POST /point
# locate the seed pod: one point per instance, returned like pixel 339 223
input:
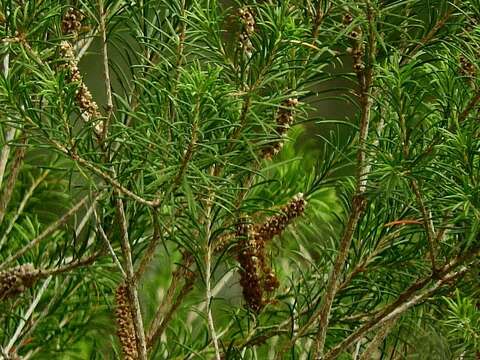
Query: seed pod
pixel 72 21
pixel 256 276
pixel 347 19
pixel 467 69
pixel 16 280
pixel 276 224
pixel 284 121
pixel 83 97
pixel 270 281
pixel 248 29
pixel 125 328
pixel 250 257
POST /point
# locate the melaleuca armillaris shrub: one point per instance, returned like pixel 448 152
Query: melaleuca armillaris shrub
pixel 239 179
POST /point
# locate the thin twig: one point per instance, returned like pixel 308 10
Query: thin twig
pixel 71 266
pixel 428 37
pixel 208 267
pixel 10 134
pixel 30 310
pixel 208 279
pixel 319 17
pixel 216 290
pixel 130 281
pixel 50 229
pixel 10 131
pixel 427 223
pixel 470 106
pixel 365 78
pixel 169 305
pixel 107 178
pixel 106 71
pixel 379 337
pixel 22 205
pixel 7 192
pixel 109 245
pixel 407 301
pixel 150 251
pixel 167 300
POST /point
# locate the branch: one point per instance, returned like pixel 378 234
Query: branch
pixel 365 77
pixel 107 178
pixel 470 106
pixel 106 71
pixel 428 37
pixel 130 281
pixel 379 337
pixel 150 251
pixel 24 319
pixel 71 266
pixel 427 223
pixel 10 131
pixel 22 205
pixel 404 302
pixel 319 17
pixel 12 178
pixel 168 306
pixel 208 276
pixel 109 245
pixel 45 233
pixel 5 152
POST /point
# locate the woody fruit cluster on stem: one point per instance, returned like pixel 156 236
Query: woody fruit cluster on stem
pixel 256 276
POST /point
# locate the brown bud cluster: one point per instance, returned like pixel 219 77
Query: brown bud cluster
pixel 71 65
pixel 251 254
pixel 72 21
pixel 467 69
pixel 256 276
pixel 125 328
pixel 83 97
pixel 276 224
pixel 347 19
pixel 357 50
pixel 248 24
pixel 16 280
pixel 284 120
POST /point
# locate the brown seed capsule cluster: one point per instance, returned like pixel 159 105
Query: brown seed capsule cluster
pixel 72 21
pixel 250 258
pixel 467 69
pixel 125 328
pixel 357 50
pixel 347 19
pixel 83 97
pixel 248 24
pixel 16 280
pixel 276 224
pixel 256 276
pixel 284 120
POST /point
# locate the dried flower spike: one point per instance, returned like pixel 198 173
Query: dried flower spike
pixel 357 50
pixel 248 24
pixel 83 96
pixel 125 328
pixel 250 258
pixel 255 276
pixel 16 280
pixel 467 69
pixel 276 224
pixel 284 121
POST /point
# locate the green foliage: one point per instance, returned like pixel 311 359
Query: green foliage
pixel 136 145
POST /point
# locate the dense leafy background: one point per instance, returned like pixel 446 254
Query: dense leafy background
pixel 191 115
